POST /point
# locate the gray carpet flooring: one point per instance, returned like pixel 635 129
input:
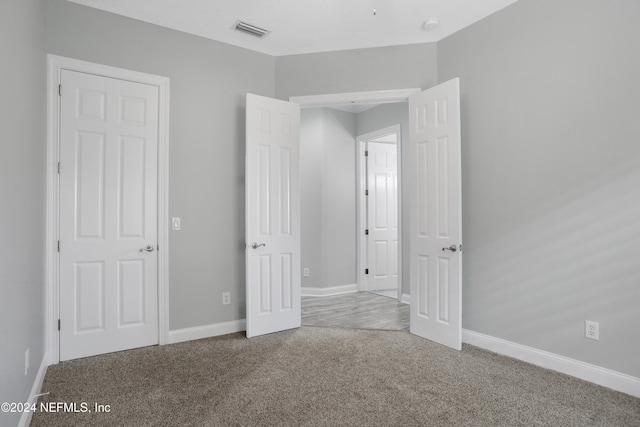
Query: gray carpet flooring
pixel 325 377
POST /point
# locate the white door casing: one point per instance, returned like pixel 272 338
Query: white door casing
pixel 435 217
pixel 108 288
pixel 382 215
pixel 272 180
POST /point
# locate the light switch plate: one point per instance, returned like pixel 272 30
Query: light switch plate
pixel 175 223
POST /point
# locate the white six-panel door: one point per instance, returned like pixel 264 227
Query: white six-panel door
pixel 436 226
pixel 382 216
pixel 272 215
pixel 108 215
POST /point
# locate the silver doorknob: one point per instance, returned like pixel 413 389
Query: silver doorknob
pixel 451 248
pixel 256 246
pixel 148 248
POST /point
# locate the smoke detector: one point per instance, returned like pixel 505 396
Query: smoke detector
pixel 430 24
pixel 250 29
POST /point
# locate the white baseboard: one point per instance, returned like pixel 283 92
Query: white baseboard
pixel 405 299
pixel 25 419
pixel 585 371
pixel 325 292
pixel 206 331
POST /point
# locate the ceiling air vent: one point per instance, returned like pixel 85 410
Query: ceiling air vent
pixel 251 29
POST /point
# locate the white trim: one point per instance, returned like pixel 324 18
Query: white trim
pixel 585 371
pixel 55 65
pixel 369 97
pixel 361 215
pixel 325 292
pixel 405 299
pixel 361 211
pixel 206 331
pixel 25 419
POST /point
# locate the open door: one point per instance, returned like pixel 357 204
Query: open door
pixel 272 215
pixel 436 219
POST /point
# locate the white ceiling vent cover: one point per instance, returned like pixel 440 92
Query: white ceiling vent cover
pixel 251 29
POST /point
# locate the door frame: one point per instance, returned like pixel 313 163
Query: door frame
pixel 55 65
pixel 361 211
pixel 365 97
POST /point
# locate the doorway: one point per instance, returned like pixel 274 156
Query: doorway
pixel 336 229
pixel 379 110
pixel 380 243
pixel 435 215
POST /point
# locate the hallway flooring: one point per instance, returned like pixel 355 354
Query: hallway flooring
pixel 358 310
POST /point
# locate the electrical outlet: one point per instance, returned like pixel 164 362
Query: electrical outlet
pixel 26 362
pixel 226 298
pixel 305 272
pixel 591 330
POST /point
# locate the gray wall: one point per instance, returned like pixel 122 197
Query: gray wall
pixel 378 118
pixel 209 81
pixel 312 155
pixel 397 67
pixel 328 200
pixel 551 176
pixel 22 195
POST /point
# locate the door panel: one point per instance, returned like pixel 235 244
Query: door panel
pixel 131 292
pixel 436 219
pixel 108 213
pixel 272 216
pixel 89 296
pixel 132 191
pixel 90 154
pixel 382 216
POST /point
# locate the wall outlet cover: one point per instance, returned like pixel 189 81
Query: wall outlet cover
pixel 226 298
pixel 591 330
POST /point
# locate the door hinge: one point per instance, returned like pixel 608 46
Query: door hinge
pixel 366 271
pixel 58 245
pixel 366 192
pixel 58 168
pixel 58 324
pixel 366 153
pixel 60 90
pixel 366 232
